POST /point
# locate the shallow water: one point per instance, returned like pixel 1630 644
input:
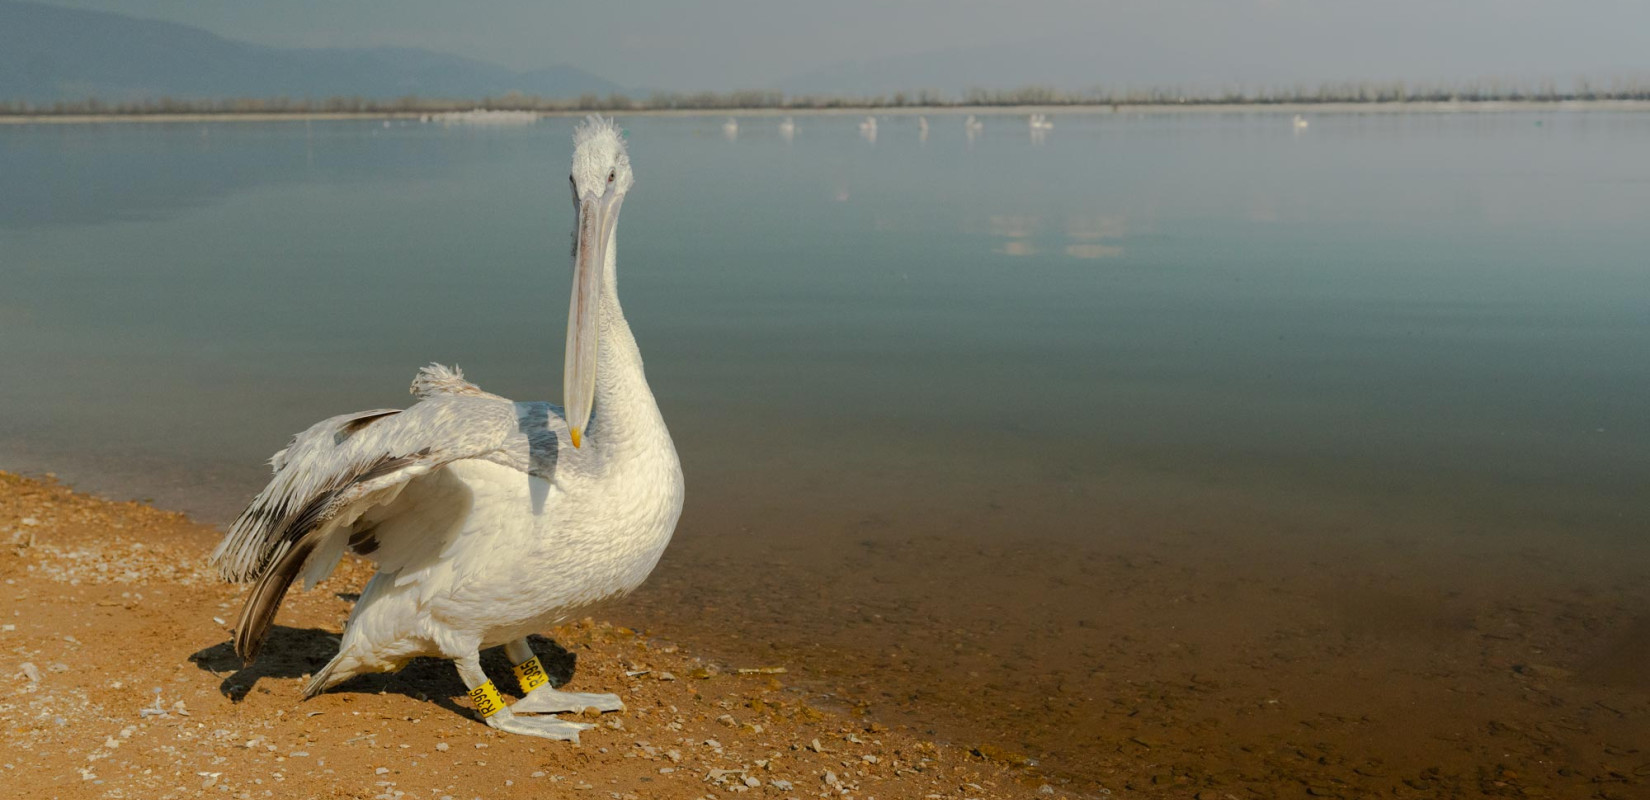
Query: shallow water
pixel 1408 350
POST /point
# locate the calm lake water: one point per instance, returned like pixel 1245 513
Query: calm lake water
pixel 1452 304
pixel 1131 324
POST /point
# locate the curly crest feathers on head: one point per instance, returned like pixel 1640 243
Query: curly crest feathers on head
pixel 600 163
pixel 593 126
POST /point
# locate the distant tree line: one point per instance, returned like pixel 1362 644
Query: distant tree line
pixel 1479 91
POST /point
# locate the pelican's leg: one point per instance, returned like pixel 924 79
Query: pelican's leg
pixel 543 699
pixel 469 668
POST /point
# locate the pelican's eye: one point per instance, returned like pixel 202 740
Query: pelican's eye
pixel 612 174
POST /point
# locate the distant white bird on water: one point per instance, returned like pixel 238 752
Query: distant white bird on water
pixel 1040 122
pixel 868 129
pixel 1300 122
pixel 787 129
pixel 730 129
pixel 973 124
pixel 488 519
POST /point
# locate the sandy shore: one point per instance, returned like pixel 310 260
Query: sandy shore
pixel 117 680
pixel 1486 107
pixel 1230 656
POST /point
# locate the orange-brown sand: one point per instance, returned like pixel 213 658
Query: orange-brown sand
pixel 117 681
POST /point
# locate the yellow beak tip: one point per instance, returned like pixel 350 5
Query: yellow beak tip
pixel 577 436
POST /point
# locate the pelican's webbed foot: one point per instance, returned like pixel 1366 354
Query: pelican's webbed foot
pixel 545 700
pixel 490 705
pixel 542 727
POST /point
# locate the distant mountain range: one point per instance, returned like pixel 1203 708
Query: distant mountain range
pixel 50 54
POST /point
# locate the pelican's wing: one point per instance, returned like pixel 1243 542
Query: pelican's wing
pixel 343 475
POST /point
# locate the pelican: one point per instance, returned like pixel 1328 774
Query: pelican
pixel 1300 122
pixel 787 129
pixel 730 129
pixel 868 129
pixel 487 519
pixel 922 129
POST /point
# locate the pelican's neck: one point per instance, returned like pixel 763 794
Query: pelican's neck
pixel 624 415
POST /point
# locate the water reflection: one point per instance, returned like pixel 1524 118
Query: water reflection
pixel 1039 125
pixel 1090 236
pixel 1093 250
pixel 1018 230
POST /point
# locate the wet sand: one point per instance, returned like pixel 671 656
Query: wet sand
pixel 117 680
pixel 1372 648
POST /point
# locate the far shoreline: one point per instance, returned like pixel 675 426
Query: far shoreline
pixel 1338 108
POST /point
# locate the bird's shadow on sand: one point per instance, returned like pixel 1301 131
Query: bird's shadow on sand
pixel 298 652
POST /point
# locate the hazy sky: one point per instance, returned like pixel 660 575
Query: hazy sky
pixel 722 44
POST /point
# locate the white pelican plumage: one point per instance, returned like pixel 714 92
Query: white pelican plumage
pixel 730 129
pixel 868 129
pixel 488 519
pixel 787 129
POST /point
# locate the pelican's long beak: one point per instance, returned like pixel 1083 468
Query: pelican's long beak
pixel 597 216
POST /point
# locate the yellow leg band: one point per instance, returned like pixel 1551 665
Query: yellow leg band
pixel 487 699
pixel 530 674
